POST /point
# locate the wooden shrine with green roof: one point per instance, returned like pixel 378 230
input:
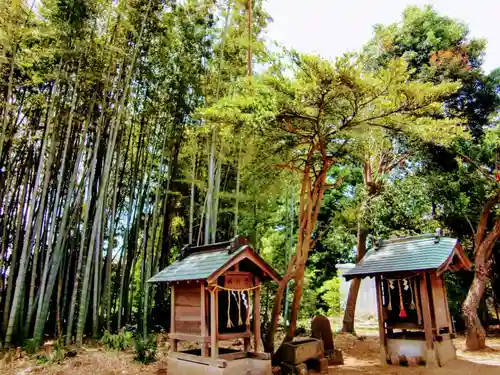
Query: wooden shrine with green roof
pixel 415 325
pixel 215 296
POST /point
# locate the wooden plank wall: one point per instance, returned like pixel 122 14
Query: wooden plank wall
pixel 188 308
pixel 441 311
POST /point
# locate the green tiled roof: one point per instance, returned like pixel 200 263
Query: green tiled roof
pixel 196 266
pixel 415 253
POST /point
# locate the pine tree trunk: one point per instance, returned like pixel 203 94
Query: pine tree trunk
pixel 311 197
pixel 278 300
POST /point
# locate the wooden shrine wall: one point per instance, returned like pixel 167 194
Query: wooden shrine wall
pixel 441 311
pixel 188 308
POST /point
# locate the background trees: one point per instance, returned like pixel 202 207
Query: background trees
pixel 131 128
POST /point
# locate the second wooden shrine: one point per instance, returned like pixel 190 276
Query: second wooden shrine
pixel 215 296
pixel 415 325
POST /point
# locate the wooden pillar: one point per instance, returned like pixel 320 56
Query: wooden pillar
pixel 381 322
pixel 247 340
pixel 214 348
pixel 256 316
pixel 451 327
pixel 173 342
pixel 430 358
pixel 203 318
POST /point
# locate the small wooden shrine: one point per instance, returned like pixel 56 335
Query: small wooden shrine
pixel 415 325
pixel 215 296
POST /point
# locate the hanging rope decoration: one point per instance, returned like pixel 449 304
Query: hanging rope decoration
pixel 391 286
pixel 402 311
pixel 247 306
pixel 412 304
pixel 407 284
pixel 240 296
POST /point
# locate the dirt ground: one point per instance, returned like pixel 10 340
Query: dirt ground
pixel 360 357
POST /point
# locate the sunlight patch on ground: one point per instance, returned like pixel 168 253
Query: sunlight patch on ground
pixel 490 356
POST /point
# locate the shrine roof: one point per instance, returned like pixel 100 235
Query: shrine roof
pixel 210 261
pixel 409 254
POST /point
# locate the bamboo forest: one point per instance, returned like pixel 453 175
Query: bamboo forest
pixel 131 128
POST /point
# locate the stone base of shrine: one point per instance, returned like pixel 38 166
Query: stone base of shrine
pixel 180 363
pixel 445 350
pixel 413 351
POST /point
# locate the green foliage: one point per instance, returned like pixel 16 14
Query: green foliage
pixel 438 47
pixel 404 208
pixel 42 360
pixel 120 341
pixel 422 33
pixel 330 293
pixel 309 299
pixel 162 76
pixel 145 349
pixel 30 346
pixel 57 354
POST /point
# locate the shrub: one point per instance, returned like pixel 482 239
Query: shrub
pixel 331 295
pixel 30 346
pixel 145 349
pixel 57 354
pixel 120 341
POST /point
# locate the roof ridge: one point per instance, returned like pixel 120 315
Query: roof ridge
pixel 230 245
pixel 412 238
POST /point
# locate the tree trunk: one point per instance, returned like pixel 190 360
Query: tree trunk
pixel 237 198
pixel 146 267
pixel 191 201
pixel 476 335
pixel 210 189
pixel 109 251
pixel 5 120
pixel 211 161
pixel 14 256
pixel 83 238
pixel 350 309
pixel 84 296
pixel 215 209
pixel 278 299
pixel 311 196
pixel 483 245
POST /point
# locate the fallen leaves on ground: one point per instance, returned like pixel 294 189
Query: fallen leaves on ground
pixel 361 356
